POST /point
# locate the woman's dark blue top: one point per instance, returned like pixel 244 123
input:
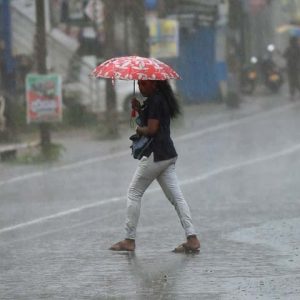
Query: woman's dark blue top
pixel 155 107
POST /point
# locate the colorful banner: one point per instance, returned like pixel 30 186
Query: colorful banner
pixel 163 38
pixel 44 98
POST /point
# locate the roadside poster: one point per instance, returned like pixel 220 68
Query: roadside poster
pixel 43 98
pixel 163 37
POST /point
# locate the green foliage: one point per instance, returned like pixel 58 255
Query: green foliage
pixel 50 153
pixel 76 114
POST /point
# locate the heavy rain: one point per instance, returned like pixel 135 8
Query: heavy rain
pixel 66 167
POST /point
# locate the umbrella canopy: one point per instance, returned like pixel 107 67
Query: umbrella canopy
pixel 135 68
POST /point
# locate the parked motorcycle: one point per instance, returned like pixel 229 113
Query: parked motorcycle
pixel 271 73
pixel 274 79
pixel 249 76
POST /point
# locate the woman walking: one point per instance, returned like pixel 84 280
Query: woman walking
pixel 157 163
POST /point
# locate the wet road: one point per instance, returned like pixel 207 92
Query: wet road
pixel 239 171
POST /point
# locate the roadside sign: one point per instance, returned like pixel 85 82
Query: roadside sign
pixel 43 98
pixel 163 37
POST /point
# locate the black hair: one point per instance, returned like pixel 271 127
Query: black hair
pixel 165 88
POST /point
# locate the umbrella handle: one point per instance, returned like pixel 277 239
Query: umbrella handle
pixel 133 113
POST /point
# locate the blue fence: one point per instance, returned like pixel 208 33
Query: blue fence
pixel 197 66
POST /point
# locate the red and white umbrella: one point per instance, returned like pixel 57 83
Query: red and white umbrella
pixel 135 68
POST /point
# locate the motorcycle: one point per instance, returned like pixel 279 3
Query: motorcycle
pixel 274 80
pixel 271 74
pixel 249 77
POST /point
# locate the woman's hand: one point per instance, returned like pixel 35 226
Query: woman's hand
pixel 135 104
pixel 151 129
pixel 139 130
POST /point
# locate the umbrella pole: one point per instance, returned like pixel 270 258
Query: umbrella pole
pixel 134 88
pixel 133 113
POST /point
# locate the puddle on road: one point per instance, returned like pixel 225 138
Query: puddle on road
pixel 282 235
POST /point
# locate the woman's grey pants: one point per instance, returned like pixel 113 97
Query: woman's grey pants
pixel 164 173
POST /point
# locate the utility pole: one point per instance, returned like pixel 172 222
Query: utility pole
pixel 233 98
pixel 140 30
pixel 111 102
pixel 126 11
pixel 135 31
pixel 40 54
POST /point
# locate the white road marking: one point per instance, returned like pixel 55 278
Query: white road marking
pixel 274 155
pixel 203 177
pixel 61 214
pixel 68 227
pixel 191 135
pixel 233 123
pixel 65 167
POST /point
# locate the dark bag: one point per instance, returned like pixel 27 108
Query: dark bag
pixel 140 145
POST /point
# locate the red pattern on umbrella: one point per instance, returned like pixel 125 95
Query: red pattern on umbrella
pixel 135 68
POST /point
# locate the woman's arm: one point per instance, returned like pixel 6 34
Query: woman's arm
pixel 151 128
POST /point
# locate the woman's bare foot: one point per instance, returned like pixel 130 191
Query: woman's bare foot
pixel 125 245
pixel 192 245
pixel 192 242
